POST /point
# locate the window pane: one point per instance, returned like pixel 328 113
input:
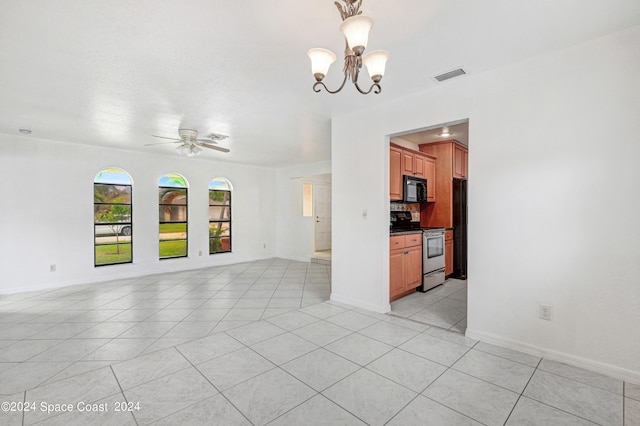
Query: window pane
pixel 219 184
pixel 173 196
pixel 111 213
pixel 111 194
pixel 173 231
pixel 113 175
pixel 219 229
pixel 173 213
pixel 219 245
pixel 113 253
pixel 173 248
pixel 219 198
pixel 219 213
pixel 173 180
pixel 110 234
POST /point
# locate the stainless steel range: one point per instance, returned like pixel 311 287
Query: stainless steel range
pixel 432 258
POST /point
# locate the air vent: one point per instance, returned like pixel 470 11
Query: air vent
pixel 449 75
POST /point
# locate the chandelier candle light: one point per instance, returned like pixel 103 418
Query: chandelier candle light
pixel 355 28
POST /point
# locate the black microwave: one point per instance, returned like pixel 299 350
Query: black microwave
pixel 414 189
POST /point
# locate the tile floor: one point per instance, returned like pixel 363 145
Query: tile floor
pixel 444 306
pixel 256 343
pixel 322 257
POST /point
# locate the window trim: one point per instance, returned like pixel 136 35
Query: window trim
pixel 221 221
pixel 186 222
pixel 95 225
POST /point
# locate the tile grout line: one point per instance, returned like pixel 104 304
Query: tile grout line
pixel 124 396
pixel 214 386
pixel 522 392
pixel 537 368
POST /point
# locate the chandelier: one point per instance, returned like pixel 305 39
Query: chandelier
pixel 355 28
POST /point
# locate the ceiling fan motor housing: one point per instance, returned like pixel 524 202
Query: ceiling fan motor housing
pixel 188 134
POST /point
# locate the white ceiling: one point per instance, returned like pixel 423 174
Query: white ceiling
pixel 113 72
pixel 457 131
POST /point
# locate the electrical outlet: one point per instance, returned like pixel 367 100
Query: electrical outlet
pixel 200 253
pixel 264 245
pixel 545 312
pixel 52 268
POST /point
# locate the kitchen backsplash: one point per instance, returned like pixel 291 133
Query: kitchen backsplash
pixel 414 208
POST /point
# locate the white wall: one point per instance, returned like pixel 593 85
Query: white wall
pixel 554 197
pixel 47 212
pixel 295 232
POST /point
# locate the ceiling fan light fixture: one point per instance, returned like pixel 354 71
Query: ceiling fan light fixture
pixel 182 149
pixel 189 145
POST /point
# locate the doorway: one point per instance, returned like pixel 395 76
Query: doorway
pixel 316 206
pixel 322 217
pixel 447 146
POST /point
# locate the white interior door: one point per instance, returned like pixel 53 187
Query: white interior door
pixel 322 213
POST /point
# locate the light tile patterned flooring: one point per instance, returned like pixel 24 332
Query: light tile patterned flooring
pixel 444 306
pixel 255 343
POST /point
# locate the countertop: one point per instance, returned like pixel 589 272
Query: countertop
pixel 416 231
pixel 409 232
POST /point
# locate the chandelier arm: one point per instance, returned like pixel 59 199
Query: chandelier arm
pixel 375 86
pixel 317 89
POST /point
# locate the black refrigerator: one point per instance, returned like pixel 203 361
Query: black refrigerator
pixel 459 229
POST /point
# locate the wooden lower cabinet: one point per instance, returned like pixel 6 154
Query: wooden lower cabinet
pixel 396 272
pixel 405 265
pixel 448 253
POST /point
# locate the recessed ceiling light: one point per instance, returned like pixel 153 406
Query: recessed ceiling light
pixel 445 131
pixel 25 131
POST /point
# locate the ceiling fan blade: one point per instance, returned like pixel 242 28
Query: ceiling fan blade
pixel 217 148
pixel 164 137
pixel 161 143
pixel 207 141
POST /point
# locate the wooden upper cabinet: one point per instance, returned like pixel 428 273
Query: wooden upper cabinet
pixel 450 162
pixel 395 174
pixel 411 163
pixel 430 176
pixel 418 166
pixel 408 160
pixel 460 156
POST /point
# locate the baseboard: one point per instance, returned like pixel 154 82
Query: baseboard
pixel 131 271
pixel 359 304
pixel 554 355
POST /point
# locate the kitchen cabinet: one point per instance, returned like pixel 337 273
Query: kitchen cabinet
pixel 460 157
pixel 448 252
pixel 395 174
pixel 405 264
pixel 430 176
pixel 407 162
pixel 451 162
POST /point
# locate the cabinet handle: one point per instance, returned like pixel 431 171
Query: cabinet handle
pixel 406 252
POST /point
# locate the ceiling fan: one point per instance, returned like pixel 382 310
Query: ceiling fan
pixel 190 145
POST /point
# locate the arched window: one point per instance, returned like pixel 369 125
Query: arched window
pixel 173 203
pixel 219 216
pixel 112 202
